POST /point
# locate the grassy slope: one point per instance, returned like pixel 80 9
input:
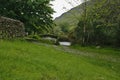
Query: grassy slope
pixel 28 61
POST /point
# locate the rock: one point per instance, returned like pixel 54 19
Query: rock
pixel 98 47
pixel 11 28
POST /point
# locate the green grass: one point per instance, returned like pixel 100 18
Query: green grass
pixel 114 52
pixel 21 60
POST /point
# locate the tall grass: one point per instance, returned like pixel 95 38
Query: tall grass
pixel 20 60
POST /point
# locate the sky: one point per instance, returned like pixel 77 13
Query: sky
pixel 61 6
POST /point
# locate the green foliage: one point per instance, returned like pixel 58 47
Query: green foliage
pixel 64 28
pixel 28 61
pixel 35 14
pixel 34 36
pixel 46 41
pixel 96 22
pixel 100 25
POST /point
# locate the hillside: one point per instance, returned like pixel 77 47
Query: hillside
pixel 29 61
pixel 72 16
pixel 69 17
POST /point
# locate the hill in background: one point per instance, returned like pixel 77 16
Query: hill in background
pixel 72 16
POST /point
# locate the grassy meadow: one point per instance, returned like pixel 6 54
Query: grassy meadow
pixel 20 60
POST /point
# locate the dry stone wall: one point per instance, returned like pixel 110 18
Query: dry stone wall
pixel 10 28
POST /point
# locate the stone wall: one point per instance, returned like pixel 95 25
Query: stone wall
pixel 10 28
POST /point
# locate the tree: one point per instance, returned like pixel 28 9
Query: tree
pixel 99 24
pixel 35 14
pixel 85 22
pixel 104 15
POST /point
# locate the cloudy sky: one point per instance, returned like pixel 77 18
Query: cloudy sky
pixel 61 6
